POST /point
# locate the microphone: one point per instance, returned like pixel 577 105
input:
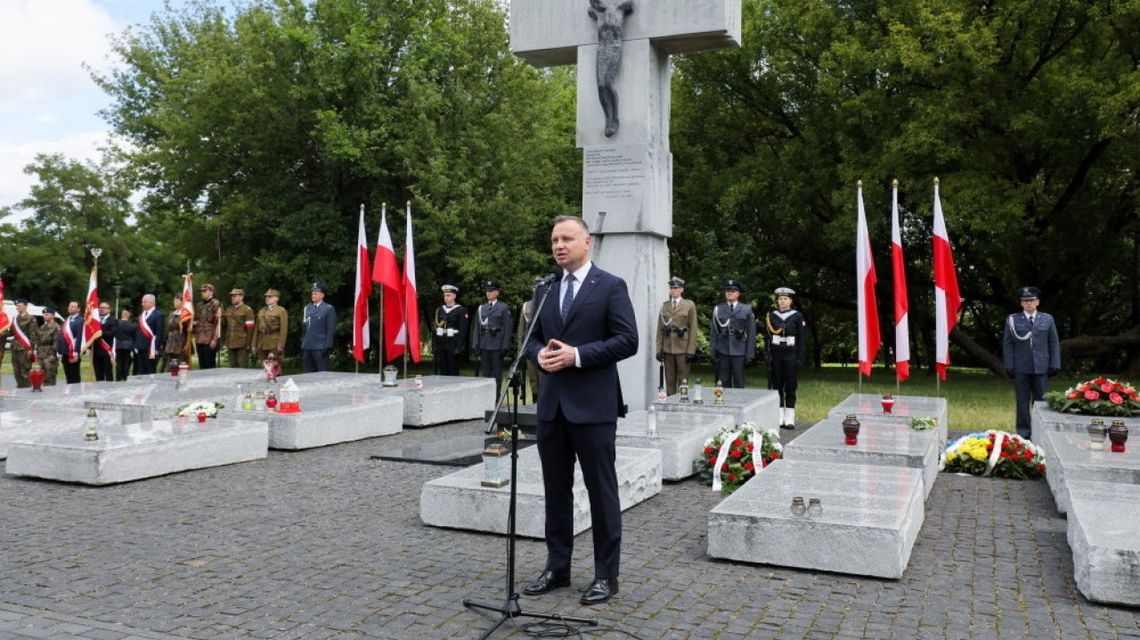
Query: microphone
pixel 549 278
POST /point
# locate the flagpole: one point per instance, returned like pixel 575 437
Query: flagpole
pixel 380 365
pixel 403 303
pixel 95 253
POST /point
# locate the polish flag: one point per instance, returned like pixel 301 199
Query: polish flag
pixel 387 273
pixel 869 340
pixel 92 328
pixel 947 300
pixel 898 275
pixel 361 336
pixel 186 313
pixel 411 305
pixel 4 319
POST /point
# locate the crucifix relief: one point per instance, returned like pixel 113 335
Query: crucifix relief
pixel 627 169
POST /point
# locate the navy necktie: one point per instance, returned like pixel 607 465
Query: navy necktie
pixel 569 298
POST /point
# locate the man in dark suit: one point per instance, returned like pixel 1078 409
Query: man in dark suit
pixel 1032 354
pixel 102 348
pixel 70 344
pixel 585 328
pixel 152 336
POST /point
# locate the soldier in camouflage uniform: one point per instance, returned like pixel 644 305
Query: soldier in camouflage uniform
pixel 272 327
pixel 207 327
pixel 45 341
pixel 22 355
pixel 238 325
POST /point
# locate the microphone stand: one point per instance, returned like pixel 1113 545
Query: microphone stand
pixel 510 606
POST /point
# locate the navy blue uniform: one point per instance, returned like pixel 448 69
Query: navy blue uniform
pixel 1032 351
pixel 319 325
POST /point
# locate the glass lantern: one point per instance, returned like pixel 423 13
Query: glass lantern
pixel 271 367
pixel 390 373
pixel 496 466
pixel 651 421
pixel 698 392
pixel 684 391
pixel 290 398
pixel 91 426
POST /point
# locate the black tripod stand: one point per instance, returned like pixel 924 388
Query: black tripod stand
pixel 510 605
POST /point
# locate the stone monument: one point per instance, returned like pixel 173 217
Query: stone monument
pixel 627 170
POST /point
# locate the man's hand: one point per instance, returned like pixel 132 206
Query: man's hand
pixel 555 356
pixel 1053 371
pixel 690 358
pixel 214 343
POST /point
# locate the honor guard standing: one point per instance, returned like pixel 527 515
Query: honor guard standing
pixel 676 335
pixel 450 332
pixel 207 327
pixel 526 316
pixel 272 327
pixel 784 350
pixel 732 337
pixel 47 337
pixel 1032 354
pixel 318 326
pixel 493 334
pixel 238 322
pixel 179 336
pixel 23 346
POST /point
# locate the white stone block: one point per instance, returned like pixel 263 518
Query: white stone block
pixel 442 398
pixel 871 518
pixel 201 378
pixel 458 501
pixel 34 422
pixel 758 406
pixel 880 442
pixel 681 437
pixel 1070 459
pixel 136 451
pixel 1102 532
pixel 1042 419
pixel 867 405
pixel 329 418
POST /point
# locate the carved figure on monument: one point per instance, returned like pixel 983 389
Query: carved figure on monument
pixel 610 18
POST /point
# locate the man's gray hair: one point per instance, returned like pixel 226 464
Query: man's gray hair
pixel 148 297
pixel 560 219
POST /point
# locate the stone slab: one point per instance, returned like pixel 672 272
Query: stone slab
pixel 681 437
pixel 161 400
pixel 67 395
pixel 458 501
pixel 329 418
pixel 881 442
pixel 33 422
pixel 1102 532
pixel 871 518
pixel 442 398
pixel 1072 460
pixel 1042 418
pixel 868 405
pixel 126 452
pixel 223 376
pixel 760 407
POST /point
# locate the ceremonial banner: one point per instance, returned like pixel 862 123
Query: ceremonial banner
pixel 92 328
pixel 868 310
pixel 387 273
pixel 947 300
pixel 898 275
pixel 187 311
pixel 411 305
pixel 4 320
pixel 361 336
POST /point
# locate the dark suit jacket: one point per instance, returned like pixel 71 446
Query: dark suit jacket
pixel 155 323
pixel 601 324
pixel 76 324
pixel 1038 353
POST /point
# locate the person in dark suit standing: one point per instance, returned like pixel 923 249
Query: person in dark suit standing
pixel 70 343
pixel 102 349
pixel 126 340
pixel 493 334
pixel 152 336
pixel 1032 354
pixel 586 327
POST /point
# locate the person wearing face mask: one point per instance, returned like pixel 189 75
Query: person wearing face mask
pixel 1032 354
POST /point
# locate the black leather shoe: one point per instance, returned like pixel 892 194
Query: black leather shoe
pixel 600 591
pixel 545 583
pixel 788 426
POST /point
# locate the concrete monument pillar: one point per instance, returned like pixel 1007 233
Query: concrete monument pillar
pixel 627 170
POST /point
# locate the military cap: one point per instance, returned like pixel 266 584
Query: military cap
pixel 206 286
pixel 449 288
pixel 491 285
pixel 21 301
pixel 49 311
pixel 676 282
pixel 272 292
pixel 1028 293
pixel 237 292
pixel 732 284
pixel 319 286
pixel 785 291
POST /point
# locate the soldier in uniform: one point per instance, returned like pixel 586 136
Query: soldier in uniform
pixel 178 337
pixel 676 335
pixel 1032 354
pixel 317 329
pixel 784 351
pixel 47 337
pixel 732 337
pixel 207 327
pixel 272 327
pixel 526 315
pixel 493 334
pixel 23 346
pixel 238 324
pixel 450 332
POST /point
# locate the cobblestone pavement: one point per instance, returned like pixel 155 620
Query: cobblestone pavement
pixel 327 543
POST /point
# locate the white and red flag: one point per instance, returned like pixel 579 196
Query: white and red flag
pixel 898 275
pixel 868 310
pixel 186 313
pixel 361 336
pixel 387 273
pixel 4 319
pixel 92 328
pixel 411 305
pixel 947 300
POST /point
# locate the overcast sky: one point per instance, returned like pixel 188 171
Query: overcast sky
pixel 48 102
